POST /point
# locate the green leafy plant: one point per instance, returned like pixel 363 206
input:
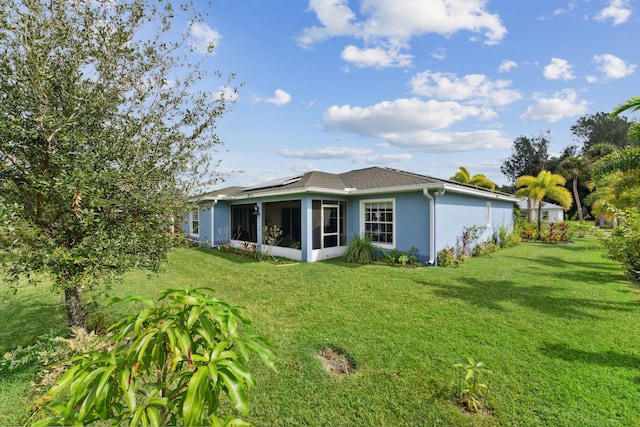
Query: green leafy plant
pixel 413 259
pixel 447 257
pixel 168 365
pixel 403 259
pixel 360 250
pixel 470 384
pixel 623 243
pixel 271 235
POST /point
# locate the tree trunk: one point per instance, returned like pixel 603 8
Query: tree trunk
pixel 577 197
pixel 540 220
pixel 76 308
pixel 529 210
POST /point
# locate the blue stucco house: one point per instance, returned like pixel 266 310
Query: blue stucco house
pixel 319 212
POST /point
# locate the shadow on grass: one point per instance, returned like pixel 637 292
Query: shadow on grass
pixel 25 319
pixel 493 294
pixel 576 271
pixel 602 358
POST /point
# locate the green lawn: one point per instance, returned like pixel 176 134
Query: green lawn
pixel 558 325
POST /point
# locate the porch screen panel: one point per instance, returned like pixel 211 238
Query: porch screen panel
pixel 244 223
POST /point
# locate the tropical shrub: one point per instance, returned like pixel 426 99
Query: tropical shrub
pixel 169 364
pixel 447 257
pixel 360 250
pixel 623 244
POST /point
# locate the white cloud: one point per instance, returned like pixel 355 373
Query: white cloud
pixel 202 37
pixel 227 93
pixel 507 65
pixel 409 114
pixel 475 88
pixel 558 69
pixel 572 5
pixel 618 10
pixel 439 53
pixel 559 106
pixel 386 26
pixel 355 155
pixel 438 142
pixel 613 67
pixel 279 98
pixel 414 124
pixel 300 167
pixel 377 57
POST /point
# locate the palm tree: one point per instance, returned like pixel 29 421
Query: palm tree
pixel 478 180
pixel 619 172
pixel 574 168
pixel 632 104
pixel 546 184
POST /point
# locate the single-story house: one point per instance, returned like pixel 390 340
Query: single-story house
pixel 550 212
pixel 318 213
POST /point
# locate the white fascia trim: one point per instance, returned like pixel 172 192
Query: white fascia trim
pixel 471 191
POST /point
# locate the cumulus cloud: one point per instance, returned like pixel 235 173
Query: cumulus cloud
pixel 355 155
pixel 376 57
pixel 388 25
pixel 202 37
pixel 558 69
pixel 415 124
pixel 556 107
pixel 226 93
pixel 619 11
pixel 279 98
pixel 613 67
pixel 507 65
pixel 300 167
pixel 474 88
pixel 410 114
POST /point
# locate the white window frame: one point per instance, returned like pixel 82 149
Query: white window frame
pixel 194 216
pixel 363 205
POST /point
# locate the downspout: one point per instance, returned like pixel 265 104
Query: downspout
pixel 432 222
pixel 213 230
pixel 432 226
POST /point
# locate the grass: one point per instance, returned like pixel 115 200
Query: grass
pixel 558 325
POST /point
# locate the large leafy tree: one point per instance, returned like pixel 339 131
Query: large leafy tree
pixel 529 157
pixel 479 180
pixel 601 128
pixel 544 185
pixel 103 132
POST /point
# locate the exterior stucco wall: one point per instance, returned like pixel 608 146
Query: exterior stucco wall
pixel 454 212
pixel 411 220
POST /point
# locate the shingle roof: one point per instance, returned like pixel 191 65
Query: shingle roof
pixel 376 177
pixel 361 179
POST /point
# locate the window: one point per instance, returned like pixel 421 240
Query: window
pixel 194 223
pixel 379 221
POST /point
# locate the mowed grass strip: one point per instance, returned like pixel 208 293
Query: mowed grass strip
pixel 558 325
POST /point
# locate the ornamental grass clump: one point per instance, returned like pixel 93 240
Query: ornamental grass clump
pixel 360 250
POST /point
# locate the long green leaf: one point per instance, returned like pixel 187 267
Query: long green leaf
pixel 194 399
pixel 127 389
pixel 235 390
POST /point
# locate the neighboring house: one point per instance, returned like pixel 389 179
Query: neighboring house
pixel 550 212
pixel 319 212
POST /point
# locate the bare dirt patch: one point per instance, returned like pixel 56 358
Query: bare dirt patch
pixel 336 361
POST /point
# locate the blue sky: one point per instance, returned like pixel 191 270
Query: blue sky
pixel 419 85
